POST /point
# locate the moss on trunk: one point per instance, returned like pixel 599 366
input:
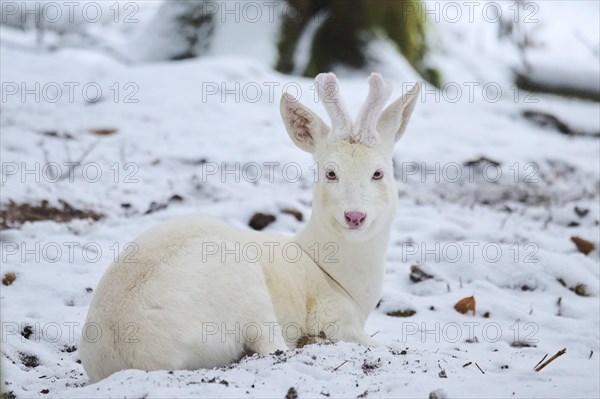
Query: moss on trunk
pixel 349 25
pixel 402 22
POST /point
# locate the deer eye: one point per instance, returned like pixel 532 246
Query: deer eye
pixel 330 175
pixel 378 175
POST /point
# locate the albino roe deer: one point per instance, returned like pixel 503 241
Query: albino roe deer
pixel 184 305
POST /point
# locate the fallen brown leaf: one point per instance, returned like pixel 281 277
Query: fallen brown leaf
pixel 103 132
pixel 466 305
pixel 9 278
pixel 583 246
pixel 293 212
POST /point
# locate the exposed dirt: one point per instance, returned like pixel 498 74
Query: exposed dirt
pixel 14 215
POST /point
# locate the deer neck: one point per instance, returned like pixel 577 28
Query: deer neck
pixel 358 268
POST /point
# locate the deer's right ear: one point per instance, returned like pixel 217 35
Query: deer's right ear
pixel 304 126
pixel 393 120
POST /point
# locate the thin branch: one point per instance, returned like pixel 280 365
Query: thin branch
pixel 540 362
pixel 547 362
pixel 505 220
pixel 46 157
pixel 72 166
pixel 335 369
pixel 482 372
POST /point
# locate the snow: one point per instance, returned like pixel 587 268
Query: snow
pixel 504 240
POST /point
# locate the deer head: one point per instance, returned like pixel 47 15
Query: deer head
pixel 355 194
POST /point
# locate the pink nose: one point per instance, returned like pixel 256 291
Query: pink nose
pixel 355 219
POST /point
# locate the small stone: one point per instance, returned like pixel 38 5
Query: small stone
pixel 291 393
pixel 27 331
pixel 261 220
pixel 438 394
pixel 402 313
pixel 581 290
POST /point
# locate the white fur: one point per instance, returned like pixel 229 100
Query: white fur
pixel 380 91
pixel 180 301
pixel 329 94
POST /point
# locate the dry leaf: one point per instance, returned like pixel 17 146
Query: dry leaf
pixel 9 278
pixel 103 132
pixel 466 305
pixel 583 246
pixel 417 274
pixel 294 212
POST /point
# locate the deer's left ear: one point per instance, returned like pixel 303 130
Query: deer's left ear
pixel 393 120
pixel 304 127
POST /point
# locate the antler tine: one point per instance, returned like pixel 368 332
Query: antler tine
pixel 328 90
pixel 380 91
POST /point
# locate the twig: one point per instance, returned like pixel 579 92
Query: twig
pixel 550 216
pixel 375 333
pixel 547 362
pixel 46 158
pixel 504 221
pixel 482 372
pixel 591 354
pixel 540 362
pixel 122 153
pixel 65 138
pixel 467 364
pixel 586 44
pixel 72 166
pixel 442 373
pixel 335 369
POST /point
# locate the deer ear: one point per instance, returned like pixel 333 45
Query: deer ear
pixel 394 119
pixel 305 127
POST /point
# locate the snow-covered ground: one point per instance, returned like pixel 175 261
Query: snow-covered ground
pixel 499 231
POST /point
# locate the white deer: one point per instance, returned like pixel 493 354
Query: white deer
pixel 181 300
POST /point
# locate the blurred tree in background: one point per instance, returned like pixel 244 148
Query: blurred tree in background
pixel 309 36
pixel 306 37
pixel 181 29
pixel 346 27
pixel 338 33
